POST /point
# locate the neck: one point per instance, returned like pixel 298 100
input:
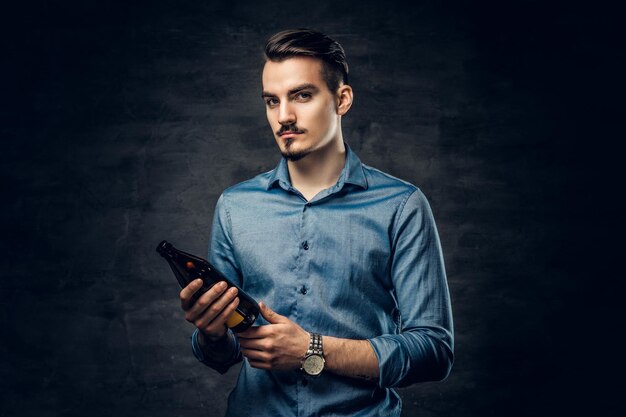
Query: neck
pixel 318 170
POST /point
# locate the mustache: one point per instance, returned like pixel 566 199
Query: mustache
pixel 292 128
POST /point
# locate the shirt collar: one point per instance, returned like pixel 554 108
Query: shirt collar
pixel 352 172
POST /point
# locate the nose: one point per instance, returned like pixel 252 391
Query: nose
pixel 286 115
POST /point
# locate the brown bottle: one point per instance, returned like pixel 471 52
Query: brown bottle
pixel 187 267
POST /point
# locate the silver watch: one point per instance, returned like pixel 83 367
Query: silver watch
pixel 313 362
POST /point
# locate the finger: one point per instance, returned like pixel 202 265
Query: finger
pixel 270 315
pixel 257 332
pixel 210 322
pixel 256 344
pixel 215 308
pixel 205 301
pixel 187 293
pixel 208 298
pixel 216 329
pixel 256 355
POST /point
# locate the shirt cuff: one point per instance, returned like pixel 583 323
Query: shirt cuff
pixel 407 358
pixel 220 367
pixel 384 350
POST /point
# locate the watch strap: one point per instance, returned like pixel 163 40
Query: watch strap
pixel 315 345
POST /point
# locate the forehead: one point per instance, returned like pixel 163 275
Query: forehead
pixel 282 76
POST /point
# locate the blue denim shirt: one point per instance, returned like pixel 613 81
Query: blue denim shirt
pixel 360 260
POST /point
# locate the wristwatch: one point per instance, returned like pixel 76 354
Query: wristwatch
pixel 313 362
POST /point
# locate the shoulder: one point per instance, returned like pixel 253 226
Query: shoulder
pixel 242 197
pixel 384 182
pixel 244 189
pixel 407 199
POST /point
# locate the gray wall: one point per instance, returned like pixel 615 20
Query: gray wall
pixel 122 123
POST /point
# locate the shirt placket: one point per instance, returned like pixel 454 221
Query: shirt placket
pixel 303 293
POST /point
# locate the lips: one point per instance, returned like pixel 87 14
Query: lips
pixel 289 134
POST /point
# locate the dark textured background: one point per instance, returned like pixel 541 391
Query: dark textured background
pixel 122 123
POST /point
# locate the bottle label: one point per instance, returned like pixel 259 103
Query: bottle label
pixel 234 319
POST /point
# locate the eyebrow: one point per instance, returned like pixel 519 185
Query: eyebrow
pixel 294 90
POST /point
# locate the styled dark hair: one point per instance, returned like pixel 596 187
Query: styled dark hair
pixel 308 42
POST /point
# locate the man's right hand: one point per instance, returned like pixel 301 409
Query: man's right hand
pixel 210 311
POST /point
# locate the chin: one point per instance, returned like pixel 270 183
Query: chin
pixel 293 153
pixel 295 156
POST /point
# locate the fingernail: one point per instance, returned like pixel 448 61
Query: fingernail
pixel 233 290
pixel 223 285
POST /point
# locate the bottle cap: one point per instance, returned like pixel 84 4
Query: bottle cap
pixel 163 247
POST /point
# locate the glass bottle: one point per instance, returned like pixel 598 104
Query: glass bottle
pixel 187 267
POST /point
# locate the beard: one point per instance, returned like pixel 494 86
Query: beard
pixel 292 155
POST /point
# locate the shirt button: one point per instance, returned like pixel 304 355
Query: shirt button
pixel 303 290
pixel 305 245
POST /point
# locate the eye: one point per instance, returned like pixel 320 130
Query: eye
pixel 271 102
pixel 303 96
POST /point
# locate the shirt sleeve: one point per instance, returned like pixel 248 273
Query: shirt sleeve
pixel 423 349
pixel 220 367
pixel 221 255
pixel 221 246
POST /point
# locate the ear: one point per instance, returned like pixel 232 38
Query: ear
pixel 343 99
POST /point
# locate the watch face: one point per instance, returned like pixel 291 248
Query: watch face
pixel 313 365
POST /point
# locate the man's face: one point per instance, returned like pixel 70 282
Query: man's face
pixel 300 108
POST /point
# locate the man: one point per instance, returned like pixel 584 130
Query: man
pixel 345 260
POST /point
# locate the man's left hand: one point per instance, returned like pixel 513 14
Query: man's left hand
pixel 280 345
